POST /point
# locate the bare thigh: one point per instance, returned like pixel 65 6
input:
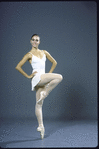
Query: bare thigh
pixel 47 77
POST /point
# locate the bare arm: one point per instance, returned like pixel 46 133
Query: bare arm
pixel 52 60
pixel 21 63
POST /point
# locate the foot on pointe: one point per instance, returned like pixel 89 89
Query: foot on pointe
pixel 42 131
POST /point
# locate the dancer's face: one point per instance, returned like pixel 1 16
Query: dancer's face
pixel 35 41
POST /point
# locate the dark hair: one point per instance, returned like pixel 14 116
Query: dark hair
pixel 35 35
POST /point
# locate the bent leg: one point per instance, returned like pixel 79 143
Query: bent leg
pixel 48 77
pixel 49 81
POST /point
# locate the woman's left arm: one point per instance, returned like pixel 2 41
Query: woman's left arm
pixel 52 60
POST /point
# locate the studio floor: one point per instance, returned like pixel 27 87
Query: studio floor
pixel 22 133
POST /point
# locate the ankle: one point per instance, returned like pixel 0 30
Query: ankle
pixel 41 125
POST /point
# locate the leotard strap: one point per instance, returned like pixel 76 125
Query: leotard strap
pixel 30 53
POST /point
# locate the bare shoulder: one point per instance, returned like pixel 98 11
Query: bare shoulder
pixel 46 52
pixel 49 57
pixel 25 58
pixel 28 55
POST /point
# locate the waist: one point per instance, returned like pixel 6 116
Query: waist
pixel 41 71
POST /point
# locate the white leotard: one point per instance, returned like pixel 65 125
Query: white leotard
pixel 39 66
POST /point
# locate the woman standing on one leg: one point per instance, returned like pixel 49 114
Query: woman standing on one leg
pixel 42 82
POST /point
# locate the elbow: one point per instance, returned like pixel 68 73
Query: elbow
pixel 17 67
pixel 55 63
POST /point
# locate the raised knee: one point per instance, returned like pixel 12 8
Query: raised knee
pixel 60 77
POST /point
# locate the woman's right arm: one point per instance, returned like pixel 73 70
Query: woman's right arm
pixel 21 63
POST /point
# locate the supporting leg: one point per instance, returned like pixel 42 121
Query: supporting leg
pixel 39 115
pixel 38 112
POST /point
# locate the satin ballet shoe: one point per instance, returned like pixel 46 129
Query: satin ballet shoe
pixel 42 131
pixel 42 96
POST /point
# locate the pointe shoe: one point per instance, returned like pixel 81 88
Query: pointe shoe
pixel 42 131
pixel 42 96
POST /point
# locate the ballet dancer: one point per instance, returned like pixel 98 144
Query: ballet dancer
pixel 41 82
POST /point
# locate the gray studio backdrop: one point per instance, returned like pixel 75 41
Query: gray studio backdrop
pixel 68 31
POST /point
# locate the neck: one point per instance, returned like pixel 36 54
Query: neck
pixel 34 48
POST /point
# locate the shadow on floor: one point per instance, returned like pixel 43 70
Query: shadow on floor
pixel 4 144
pixel 51 127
